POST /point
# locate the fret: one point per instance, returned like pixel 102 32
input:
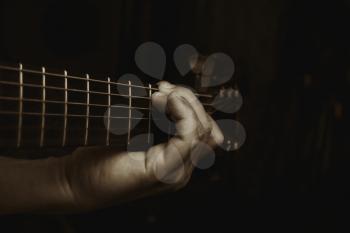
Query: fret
pixel 54 75
pixel 129 117
pixel 68 102
pixel 109 112
pixel 36 105
pixel 20 106
pixel 71 89
pixel 69 115
pixel 42 132
pixel 65 120
pixel 87 110
pixel 149 114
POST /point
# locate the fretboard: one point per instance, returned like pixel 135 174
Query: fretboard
pixel 39 108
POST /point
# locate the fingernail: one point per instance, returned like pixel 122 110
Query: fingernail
pixel 166 84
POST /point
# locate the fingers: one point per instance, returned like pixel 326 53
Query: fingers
pixel 204 119
pixel 166 88
pixel 193 125
pixel 216 137
pixel 207 124
pixel 184 116
pixel 159 101
pixel 169 162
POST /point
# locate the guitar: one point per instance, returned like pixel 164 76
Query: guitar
pixel 40 109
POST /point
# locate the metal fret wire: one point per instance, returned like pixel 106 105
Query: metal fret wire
pixel 76 90
pixel 109 112
pixel 129 123
pixel 64 136
pixel 71 89
pixel 87 110
pixel 149 115
pixel 20 107
pixel 42 133
pixel 68 115
pixel 44 74
pixel 54 75
pixel 69 103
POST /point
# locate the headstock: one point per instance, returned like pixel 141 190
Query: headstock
pixel 216 80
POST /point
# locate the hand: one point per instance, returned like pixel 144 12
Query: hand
pixel 101 176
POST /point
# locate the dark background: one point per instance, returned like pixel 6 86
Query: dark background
pixel 292 67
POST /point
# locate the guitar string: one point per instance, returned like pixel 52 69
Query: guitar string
pixel 69 115
pixel 78 103
pixel 75 90
pixel 70 89
pixel 55 75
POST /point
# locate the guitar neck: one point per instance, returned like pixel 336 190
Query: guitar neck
pixel 43 109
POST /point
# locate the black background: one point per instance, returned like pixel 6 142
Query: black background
pixel 292 67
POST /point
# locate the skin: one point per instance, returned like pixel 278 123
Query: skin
pixel 92 178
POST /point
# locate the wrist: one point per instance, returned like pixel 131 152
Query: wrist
pixel 58 181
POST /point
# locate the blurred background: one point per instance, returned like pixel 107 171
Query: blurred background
pixel 292 68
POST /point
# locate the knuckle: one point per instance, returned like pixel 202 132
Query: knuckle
pixel 204 131
pixel 173 95
pixel 184 91
pixel 176 93
pixel 187 94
